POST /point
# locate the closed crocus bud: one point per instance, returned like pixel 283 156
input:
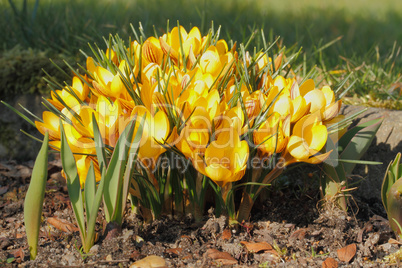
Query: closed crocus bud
pixel 394 201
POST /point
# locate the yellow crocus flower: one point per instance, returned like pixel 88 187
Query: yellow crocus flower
pixel 270 137
pixel 109 85
pixel 51 123
pixel 156 129
pixel 308 138
pixel 225 159
pixel 151 51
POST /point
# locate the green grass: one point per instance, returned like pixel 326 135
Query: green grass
pixel 368 31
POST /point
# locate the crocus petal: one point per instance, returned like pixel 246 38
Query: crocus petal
pixel 318 137
pixel 298 148
pixel 306 87
pixel 332 110
pixel 317 159
pixel 103 76
pixel 240 157
pixel 329 95
pixel 300 108
pixel 218 173
pixel 210 61
pixel 161 126
pixel 317 99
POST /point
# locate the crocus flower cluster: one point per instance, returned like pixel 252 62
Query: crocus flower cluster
pixel 201 99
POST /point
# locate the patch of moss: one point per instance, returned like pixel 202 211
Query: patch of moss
pixel 22 71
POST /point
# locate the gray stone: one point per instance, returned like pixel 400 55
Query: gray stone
pixel 385 146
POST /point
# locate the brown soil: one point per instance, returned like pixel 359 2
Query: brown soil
pixel 288 230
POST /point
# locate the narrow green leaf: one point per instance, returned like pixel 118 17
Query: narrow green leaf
pixel 19 113
pixel 115 172
pixel 133 154
pixel 395 166
pixel 361 162
pixel 90 239
pixel 99 146
pixel 348 136
pixel 359 144
pixel 73 182
pixel 33 202
pixel 387 183
pixel 89 190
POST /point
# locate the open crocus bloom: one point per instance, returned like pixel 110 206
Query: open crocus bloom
pixel 225 159
pixel 156 129
pixel 109 85
pixel 308 138
pixel 51 123
pixel 269 137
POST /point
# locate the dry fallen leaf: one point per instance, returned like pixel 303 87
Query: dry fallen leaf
pixel 330 263
pixel 19 253
pixel 173 251
pixel 222 258
pixel 151 261
pixel 393 241
pixel 62 225
pixel 19 235
pixel 299 234
pixel 256 247
pixel 226 234
pixel 347 253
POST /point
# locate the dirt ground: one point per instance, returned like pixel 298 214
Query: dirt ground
pixel 289 230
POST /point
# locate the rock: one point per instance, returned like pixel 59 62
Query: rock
pixel 94 250
pixel 70 259
pixel 386 144
pixel 151 261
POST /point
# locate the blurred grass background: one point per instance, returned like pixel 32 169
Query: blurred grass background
pixel 368 33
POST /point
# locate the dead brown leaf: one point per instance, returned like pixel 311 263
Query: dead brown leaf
pixel 19 235
pixel 299 234
pixel 223 258
pixel 226 234
pixel 256 247
pixel 393 241
pixel 347 253
pixel 62 225
pixel 330 263
pixel 19 253
pixel 173 251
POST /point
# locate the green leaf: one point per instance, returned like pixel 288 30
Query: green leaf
pixel 99 146
pixel 396 166
pixel 115 172
pixel 34 198
pixel 360 142
pixel 89 190
pixel 361 162
pixel 348 136
pixel 73 182
pixel 19 113
pixel 90 239
pixel 133 154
